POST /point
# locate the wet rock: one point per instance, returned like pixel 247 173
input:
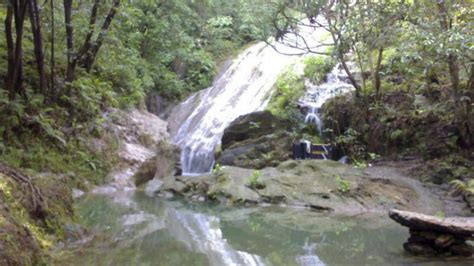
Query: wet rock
pixel 268 150
pixel 144 149
pixel 163 164
pixel 443 241
pixel 153 186
pixel 77 193
pixel 255 141
pixel 419 249
pixel 429 235
pixel 464 250
pixel 252 126
pixel 156 104
pixel 146 172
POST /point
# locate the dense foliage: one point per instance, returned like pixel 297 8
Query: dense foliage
pixel 74 59
pixel 411 63
pixel 415 46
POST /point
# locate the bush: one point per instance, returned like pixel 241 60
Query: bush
pixel 254 182
pixel 342 184
pixel 289 88
pixel 316 68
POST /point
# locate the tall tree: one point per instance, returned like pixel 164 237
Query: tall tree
pixel 452 60
pixel 16 10
pixel 33 11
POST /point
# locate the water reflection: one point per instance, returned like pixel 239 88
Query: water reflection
pixel 157 232
pixel 202 233
pixel 309 258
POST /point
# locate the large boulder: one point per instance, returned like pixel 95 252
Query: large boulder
pixel 430 235
pixel 256 140
pixel 267 150
pixel 252 126
pixel 163 164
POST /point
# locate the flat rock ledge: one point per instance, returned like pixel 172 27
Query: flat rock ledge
pixel 433 236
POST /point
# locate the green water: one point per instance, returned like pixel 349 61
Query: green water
pixel 135 229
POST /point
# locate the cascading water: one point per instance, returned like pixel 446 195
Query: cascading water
pixel 316 95
pixel 245 87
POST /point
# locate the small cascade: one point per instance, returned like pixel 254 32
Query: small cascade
pixel 316 95
pixel 313 117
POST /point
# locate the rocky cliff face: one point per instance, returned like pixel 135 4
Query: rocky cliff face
pixel 144 150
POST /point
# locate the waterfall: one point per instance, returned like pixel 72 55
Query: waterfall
pixel 245 87
pixel 316 95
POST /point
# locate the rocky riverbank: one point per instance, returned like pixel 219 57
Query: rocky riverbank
pixel 325 186
pixel 36 208
pixel 144 150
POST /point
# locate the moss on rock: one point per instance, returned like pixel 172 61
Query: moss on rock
pixel 33 212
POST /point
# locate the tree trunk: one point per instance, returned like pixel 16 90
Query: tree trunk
pixel 340 55
pixel 452 59
pixel 19 11
pixel 9 79
pixel 376 74
pixel 349 74
pixel 38 42
pixel 470 83
pixel 71 64
pixel 52 62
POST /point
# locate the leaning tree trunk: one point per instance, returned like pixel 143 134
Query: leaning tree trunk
pixel 91 54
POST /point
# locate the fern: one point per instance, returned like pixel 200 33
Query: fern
pixel 459 186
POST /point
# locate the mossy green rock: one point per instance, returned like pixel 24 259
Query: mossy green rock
pixel 34 211
pixel 252 126
pixel 256 140
pixel 313 184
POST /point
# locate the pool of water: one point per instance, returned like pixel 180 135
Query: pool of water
pixel 135 229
